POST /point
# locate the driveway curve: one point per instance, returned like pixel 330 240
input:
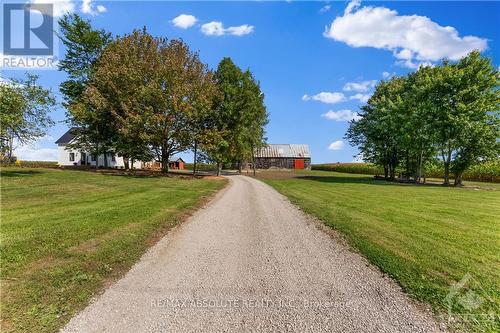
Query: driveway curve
pixel 250 261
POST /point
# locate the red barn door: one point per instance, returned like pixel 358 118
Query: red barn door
pixel 298 164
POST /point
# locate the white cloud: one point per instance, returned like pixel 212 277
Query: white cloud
pixel 386 75
pixel 241 30
pixel 88 8
pixel 60 7
pixel 336 145
pixel 341 115
pixel 361 97
pixel 216 28
pixel 33 151
pixel 362 86
pixel 413 39
pixel 184 21
pixel 326 97
pixel 325 8
pixel 36 154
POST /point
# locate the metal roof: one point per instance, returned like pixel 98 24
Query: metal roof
pixel 68 136
pixel 284 151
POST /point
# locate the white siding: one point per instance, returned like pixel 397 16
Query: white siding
pixel 64 154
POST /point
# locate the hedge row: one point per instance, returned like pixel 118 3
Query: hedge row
pixel 484 172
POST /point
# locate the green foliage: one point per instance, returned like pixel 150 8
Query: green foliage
pixel 24 116
pixel 84 46
pixel 241 115
pixel 450 111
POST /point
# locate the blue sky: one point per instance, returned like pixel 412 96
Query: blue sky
pixel 316 61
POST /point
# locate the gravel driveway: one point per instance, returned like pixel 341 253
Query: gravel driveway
pixel 251 261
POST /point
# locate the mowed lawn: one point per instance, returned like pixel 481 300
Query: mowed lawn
pixel 426 237
pixel 65 234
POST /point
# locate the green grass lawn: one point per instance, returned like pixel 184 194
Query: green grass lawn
pixel 426 237
pixel 64 234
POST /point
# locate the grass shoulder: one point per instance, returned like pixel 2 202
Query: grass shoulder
pixel 428 238
pixel 65 234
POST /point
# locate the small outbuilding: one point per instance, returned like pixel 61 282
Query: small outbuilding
pixel 283 156
pixel 177 164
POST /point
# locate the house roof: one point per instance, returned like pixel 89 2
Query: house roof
pixel 67 137
pixel 284 151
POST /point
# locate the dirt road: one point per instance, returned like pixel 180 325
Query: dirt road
pixel 251 261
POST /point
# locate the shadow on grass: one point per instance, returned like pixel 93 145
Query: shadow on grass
pixel 370 180
pixel 18 173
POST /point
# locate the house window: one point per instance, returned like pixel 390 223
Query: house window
pixel 93 157
pixel 113 158
pixel 71 157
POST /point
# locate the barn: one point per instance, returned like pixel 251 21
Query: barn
pixel 283 156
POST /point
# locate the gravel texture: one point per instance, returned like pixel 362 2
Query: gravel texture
pixel 251 261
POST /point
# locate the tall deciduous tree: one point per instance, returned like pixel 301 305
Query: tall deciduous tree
pixel 242 112
pixel 24 116
pixel 450 110
pixel 84 45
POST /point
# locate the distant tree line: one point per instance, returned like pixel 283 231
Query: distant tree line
pixel 146 98
pixel 448 112
pixel 24 114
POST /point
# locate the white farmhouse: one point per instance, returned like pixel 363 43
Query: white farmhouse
pixel 74 157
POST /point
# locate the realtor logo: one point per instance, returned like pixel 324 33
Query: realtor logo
pixel 28 29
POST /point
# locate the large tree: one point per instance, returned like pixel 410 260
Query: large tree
pixel 24 116
pixel 84 46
pixel 465 117
pixel 242 114
pixel 157 94
pixel 450 110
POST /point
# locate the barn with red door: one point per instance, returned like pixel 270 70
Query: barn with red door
pixel 283 156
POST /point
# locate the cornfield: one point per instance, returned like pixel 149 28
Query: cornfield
pixel 483 172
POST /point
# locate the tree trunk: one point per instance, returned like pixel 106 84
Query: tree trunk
pixel 420 162
pixel 195 157
pixel 386 171
pixel 218 168
pixel 446 173
pixel 458 179
pixel 11 147
pixel 239 166
pixel 164 160
pixel 125 162
pixel 106 159
pixel 132 163
pixel 447 162
pixel 253 161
